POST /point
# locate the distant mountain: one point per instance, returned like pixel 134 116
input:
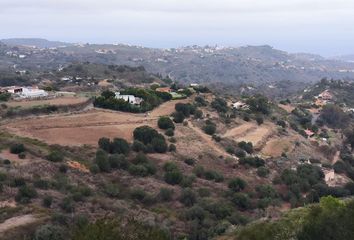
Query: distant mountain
pixel 36 42
pixel 252 65
pixel 346 58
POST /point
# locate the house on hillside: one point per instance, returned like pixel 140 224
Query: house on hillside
pixel 164 89
pixel 129 98
pixel 326 95
pixel 27 92
pixel 309 133
pixel 240 105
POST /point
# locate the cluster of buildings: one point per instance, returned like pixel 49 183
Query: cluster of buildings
pixel 25 92
pixel 323 98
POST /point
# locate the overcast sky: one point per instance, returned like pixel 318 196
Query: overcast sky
pixel 318 26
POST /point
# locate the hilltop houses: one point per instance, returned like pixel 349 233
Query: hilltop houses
pixel 129 98
pixel 323 98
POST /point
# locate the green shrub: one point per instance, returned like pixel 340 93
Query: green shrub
pixel 247 146
pixel 242 201
pixel 105 144
pixel 199 171
pixel 172 148
pixel 213 175
pixel 259 120
pixel 67 205
pixel 138 194
pixel 102 161
pixel 118 161
pixel 188 197
pixel 25 194
pixel 138 146
pixel 173 177
pixel 237 184
pixel 170 166
pixel 170 132
pixel 145 134
pixel 178 117
pixel 50 232
pixel 41 184
pixel 165 123
pixel 119 146
pixel 22 155
pixel 55 156
pixel 159 144
pixel 63 168
pixel 165 194
pixel 209 129
pixel 189 161
pixel 138 170
pixel 111 190
pixel 47 201
pixel 17 148
pixel 262 171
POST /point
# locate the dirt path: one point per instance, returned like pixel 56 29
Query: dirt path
pixel 240 130
pixel 336 157
pixel 17 222
pixel 209 141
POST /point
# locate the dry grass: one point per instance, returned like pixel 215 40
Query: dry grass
pixel 60 101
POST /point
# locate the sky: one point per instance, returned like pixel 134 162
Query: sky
pixel 323 27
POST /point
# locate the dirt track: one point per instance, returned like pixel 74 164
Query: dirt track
pixel 87 127
pixel 17 222
pixel 55 101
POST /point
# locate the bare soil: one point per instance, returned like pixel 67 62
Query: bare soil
pixel 60 101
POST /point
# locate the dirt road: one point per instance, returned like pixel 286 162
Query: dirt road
pixel 17 222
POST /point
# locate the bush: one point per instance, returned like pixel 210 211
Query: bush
pixel 189 161
pixel 259 120
pixel 22 155
pixel 119 146
pixel 240 153
pixel 184 108
pixel 50 232
pixel 138 146
pixel 173 177
pixel 47 201
pixel 25 194
pixel 55 156
pixel 247 146
pixel 252 161
pixel 102 161
pixel 111 190
pixel 188 197
pixel 199 171
pixel 41 184
pixel 118 161
pixel 209 129
pixel 63 168
pixel 145 134
pixel 105 144
pixel 178 117
pixel 138 194
pixel 213 175
pixel 172 148
pixel 165 123
pixel 262 171
pixel 165 194
pixel 242 201
pixel 138 170
pixel 219 105
pixel 169 132
pixel 17 148
pixel 237 184
pixel 159 144
pixel 67 205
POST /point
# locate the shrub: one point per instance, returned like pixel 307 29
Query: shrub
pixel 178 117
pixel 213 175
pixel 189 161
pixel 252 161
pixel 105 144
pixel 138 170
pixel 55 156
pixel 173 177
pixel 247 146
pixel 184 108
pixel 188 197
pixel 111 190
pixel 119 146
pixel 242 201
pixel 262 171
pixel 63 168
pixel 199 171
pixel 22 155
pixel 169 132
pixel 219 105
pixel 198 114
pixel 204 192
pixel 41 184
pixel 259 120
pixel 266 191
pixel 165 123
pixel 187 181
pixel 145 134
pixel 159 144
pixel 18 182
pixel 165 194
pixel 237 184
pixel 118 161
pixel 25 194
pixel 94 169
pixel 102 161
pixel 47 201
pixel 209 129
pixel 138 146
pixel 67 205
pixel 17 148
pixel 49 232
pixel 138 194
pixel 7 162
pixel 170 166
pixel 240 153
pixel 172 148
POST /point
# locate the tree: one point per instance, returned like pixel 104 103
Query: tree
pixel 173 177
pixel 259 103
pixel 237 184
pixel 105 144
pixel 17 148
pixel 209 129
pixel 178 117
pixel 145 134
pixel 159 144
pixel 55 156
pixel 188 197
pixel 165 123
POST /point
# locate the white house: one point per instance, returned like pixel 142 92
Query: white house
pixel 27 92
pixel 240 105
pixel 129 98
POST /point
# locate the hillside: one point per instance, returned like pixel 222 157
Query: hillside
pixel 34 42
pixel 193 168
pixel 255 65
